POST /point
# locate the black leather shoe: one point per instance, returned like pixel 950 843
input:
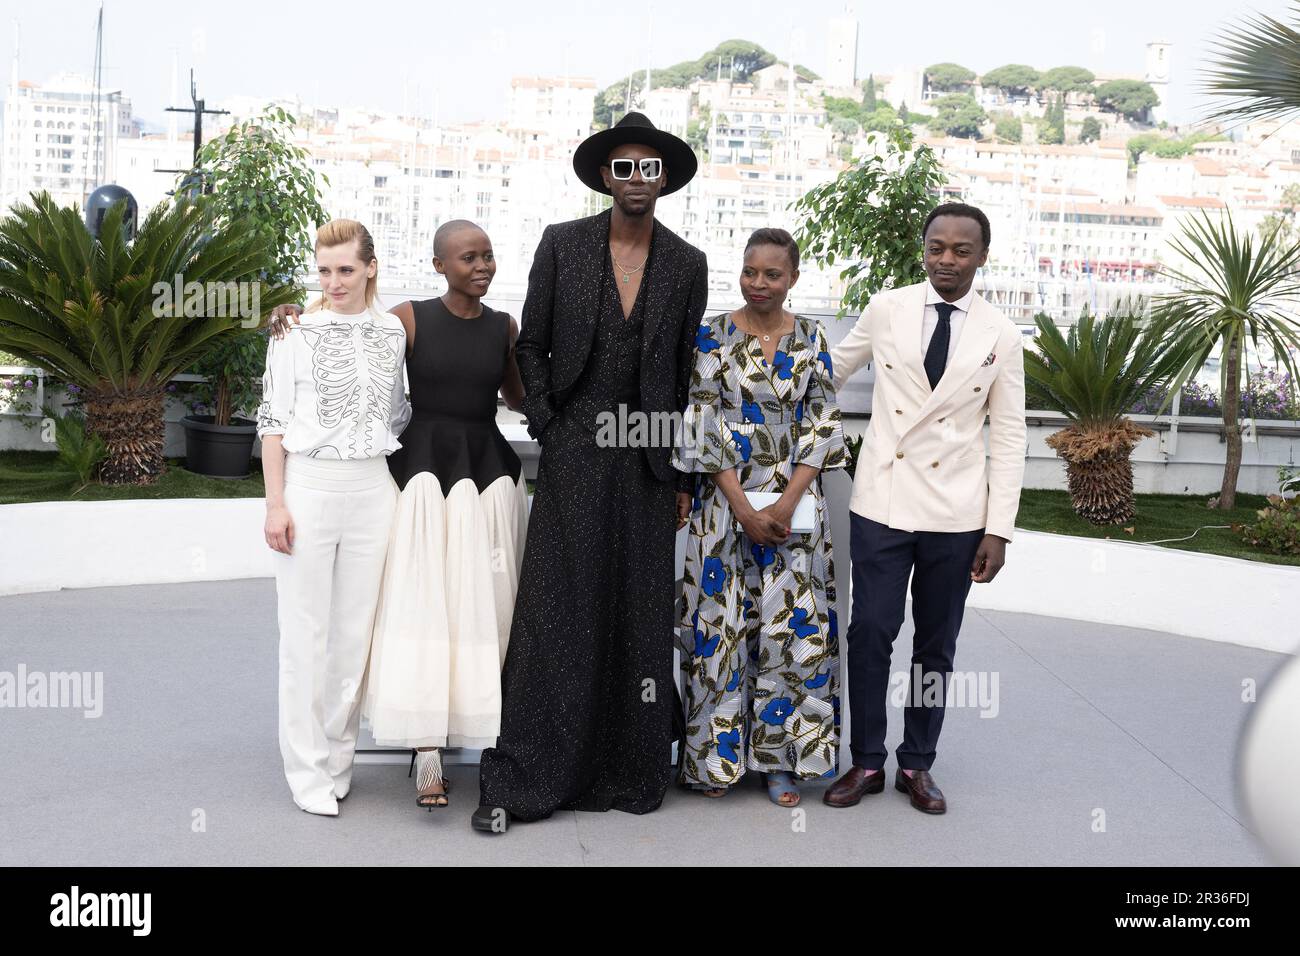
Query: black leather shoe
pixel 490 819
pixel 922 791
pixel 853 786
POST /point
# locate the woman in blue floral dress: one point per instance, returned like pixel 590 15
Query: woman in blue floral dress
pixel 760 639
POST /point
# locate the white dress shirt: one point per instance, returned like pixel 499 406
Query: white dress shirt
pixel 333 386
pixel 930 321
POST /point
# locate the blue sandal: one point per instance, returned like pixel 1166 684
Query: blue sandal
pixel 781 784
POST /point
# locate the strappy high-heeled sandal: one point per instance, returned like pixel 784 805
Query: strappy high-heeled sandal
pixel 446 782
pixel 428 767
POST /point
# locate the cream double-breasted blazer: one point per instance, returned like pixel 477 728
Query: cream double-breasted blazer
pixel 923 464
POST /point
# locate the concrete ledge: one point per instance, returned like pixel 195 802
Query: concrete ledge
pixel 108 543
pixel 91 544
pixel 1134 585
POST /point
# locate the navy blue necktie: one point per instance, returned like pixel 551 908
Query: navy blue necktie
pixel 936 356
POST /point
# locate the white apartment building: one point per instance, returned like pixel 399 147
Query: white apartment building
pixel 1224 176
pixel 669 109
pixel 1101 171
pixel 560 106
pixel 725 203
pixel 1058 248
pixel 61 137
pixel 749 127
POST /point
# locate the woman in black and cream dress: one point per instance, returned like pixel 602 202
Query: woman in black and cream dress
pixel 449 587
pixel 333 405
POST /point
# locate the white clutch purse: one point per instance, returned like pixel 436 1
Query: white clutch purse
pixel 805 513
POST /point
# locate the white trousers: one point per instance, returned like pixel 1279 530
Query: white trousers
pixel 328 588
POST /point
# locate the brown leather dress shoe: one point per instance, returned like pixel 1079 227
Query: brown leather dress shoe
pixel 853 786
pixel 922 791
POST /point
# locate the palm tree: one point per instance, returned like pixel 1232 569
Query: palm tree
pixel 1234 289
pixel 1094 376
pixel 87 310
pixel 1257 70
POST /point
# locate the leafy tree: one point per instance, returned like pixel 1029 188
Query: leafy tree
pixel 912 117
pixel 1165 147
pixel 803 73
pixel 869 95
pixel 1014 79
pixel 1049 134
pixel 263 183
pixel 697 135
pixel 841 107
pixel 1090 131
pixel 1283 222
pixel 870 218
pixel 1009 129
pixel 950 77
pixel 1132 99
pixel 1067 79
pixel 957 114
pixel 746 58
pixel 1234 293
pixel 882 119
pixel 739 58
pixel 844 128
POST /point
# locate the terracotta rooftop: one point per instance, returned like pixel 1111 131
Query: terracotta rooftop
pixel 1194 202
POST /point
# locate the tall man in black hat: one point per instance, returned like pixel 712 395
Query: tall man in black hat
pixel 609 323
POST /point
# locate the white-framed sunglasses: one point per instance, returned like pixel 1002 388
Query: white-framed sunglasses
pixel 622 169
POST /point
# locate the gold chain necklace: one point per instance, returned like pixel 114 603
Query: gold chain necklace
pixel 627 274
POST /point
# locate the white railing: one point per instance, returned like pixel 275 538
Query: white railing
pixel 42 390
pixel 8 406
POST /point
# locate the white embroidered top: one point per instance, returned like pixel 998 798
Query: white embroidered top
pixel 333 386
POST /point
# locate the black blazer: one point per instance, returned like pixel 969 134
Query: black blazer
pixel 561 311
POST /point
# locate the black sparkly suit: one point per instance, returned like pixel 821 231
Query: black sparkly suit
pixel 588 691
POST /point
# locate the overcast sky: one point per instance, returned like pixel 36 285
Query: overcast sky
pixel 367 54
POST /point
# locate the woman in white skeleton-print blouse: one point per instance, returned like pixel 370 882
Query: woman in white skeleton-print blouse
pixel 332 407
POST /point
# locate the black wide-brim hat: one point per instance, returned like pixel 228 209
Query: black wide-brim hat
pixel 593 152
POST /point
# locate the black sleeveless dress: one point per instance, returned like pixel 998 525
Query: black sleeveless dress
pixel 447 600
pixel 455 371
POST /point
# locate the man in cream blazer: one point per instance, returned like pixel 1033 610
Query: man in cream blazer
pixel 927 501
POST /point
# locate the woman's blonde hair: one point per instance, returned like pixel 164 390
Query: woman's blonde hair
pixel 339 232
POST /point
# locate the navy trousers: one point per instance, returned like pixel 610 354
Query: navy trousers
pixel 939 563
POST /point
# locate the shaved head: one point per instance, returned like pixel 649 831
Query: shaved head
pixel 449 229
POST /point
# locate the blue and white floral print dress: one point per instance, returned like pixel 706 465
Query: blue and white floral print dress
pixel 760 639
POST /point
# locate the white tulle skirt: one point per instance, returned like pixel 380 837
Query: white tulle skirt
pixel 443 620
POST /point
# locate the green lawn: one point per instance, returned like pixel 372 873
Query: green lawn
pixel 1158 517
pixel 175 482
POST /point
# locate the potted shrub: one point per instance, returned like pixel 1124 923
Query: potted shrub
pixel 218 440
pixel 263 184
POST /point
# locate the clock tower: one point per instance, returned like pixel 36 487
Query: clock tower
pixel 1157 75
